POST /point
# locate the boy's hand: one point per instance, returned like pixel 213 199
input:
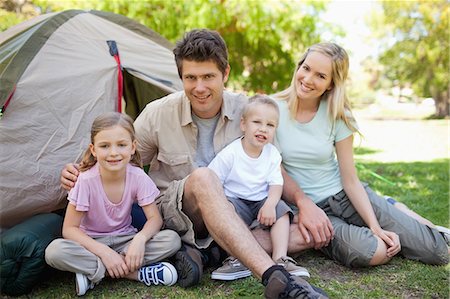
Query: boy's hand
pixel 267 214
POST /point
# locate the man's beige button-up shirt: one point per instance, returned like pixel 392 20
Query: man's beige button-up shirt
pixel 167 136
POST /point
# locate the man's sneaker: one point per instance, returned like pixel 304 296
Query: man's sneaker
pixel 158 273
pixel 232 269
pixel 188 262
pixel 83 284
pixel 292 267
pixel 445 232
pixel 281 284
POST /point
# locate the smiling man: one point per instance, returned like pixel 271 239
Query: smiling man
pixel 179 135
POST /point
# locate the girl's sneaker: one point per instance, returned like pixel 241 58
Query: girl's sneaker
pixel 83 284
pixel 158 273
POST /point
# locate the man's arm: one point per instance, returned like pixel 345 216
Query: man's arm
pixel 312 221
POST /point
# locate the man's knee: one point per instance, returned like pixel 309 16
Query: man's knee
pixel 203 177
pixel 203 184
pixel 297 242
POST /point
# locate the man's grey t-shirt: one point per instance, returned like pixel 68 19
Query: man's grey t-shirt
pixel 205 148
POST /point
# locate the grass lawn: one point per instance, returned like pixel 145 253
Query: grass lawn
pixel 419 179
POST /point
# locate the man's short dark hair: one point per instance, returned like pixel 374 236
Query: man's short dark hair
pixel 201 45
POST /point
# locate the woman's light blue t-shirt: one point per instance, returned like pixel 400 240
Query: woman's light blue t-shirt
pixel 308 151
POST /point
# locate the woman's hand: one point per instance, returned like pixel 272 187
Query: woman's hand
pixel 391 239
pixel 313 222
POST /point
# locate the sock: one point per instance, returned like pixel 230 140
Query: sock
pixel 268 272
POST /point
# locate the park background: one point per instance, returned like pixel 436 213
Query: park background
pixel 399 88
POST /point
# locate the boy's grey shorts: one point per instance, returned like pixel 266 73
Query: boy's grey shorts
pixel 248 209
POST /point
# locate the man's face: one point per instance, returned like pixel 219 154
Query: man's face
pixel 203 84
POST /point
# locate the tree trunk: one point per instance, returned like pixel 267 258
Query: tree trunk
pixel 442 102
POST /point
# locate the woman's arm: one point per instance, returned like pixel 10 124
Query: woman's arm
pixel 358 196
pixel 113 261
pixel 135 253
pixel 313 223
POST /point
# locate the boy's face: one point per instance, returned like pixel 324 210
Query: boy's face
pixel 203 84
pixel 259 125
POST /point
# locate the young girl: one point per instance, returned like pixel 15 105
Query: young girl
pixel 338 214
pixel 98 238
pixel 249 169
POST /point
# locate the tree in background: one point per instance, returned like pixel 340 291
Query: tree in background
pixel 13 12
pixel 415 37
pixel 265 38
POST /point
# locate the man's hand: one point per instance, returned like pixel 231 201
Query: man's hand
pixel 69 176
pixel 313 222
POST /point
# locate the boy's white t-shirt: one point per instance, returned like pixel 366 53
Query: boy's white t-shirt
pixel 308 151
pixel 245 177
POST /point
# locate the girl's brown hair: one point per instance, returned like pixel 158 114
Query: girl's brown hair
pixel 106 121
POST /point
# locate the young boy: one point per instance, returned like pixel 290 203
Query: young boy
pixel 249 169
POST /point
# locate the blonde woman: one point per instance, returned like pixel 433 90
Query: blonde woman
pixel 338 214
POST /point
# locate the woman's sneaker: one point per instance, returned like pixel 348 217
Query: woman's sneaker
pixel 232 269
pixel 445 232
pixel 83 284
pixel 290 265
pixel 158 273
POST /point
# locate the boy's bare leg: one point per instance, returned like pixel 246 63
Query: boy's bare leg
pixel 279 234
pixel 296 241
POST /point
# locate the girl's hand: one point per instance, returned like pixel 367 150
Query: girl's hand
pixel 267 215
pixel 114 263
pixel 391 239
pixel 134 256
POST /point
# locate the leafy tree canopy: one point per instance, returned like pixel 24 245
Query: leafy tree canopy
pixel 415 39
pixel 264 38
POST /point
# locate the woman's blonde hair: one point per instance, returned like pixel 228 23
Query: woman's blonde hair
pixel 338 103
pixel 106 121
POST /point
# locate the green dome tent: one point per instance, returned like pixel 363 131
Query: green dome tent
pixel 57 73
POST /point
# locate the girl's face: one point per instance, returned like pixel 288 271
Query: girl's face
pixel 113 148
pixel 259 127
pixel 314 76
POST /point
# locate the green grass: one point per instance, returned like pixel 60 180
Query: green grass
pixel 423 186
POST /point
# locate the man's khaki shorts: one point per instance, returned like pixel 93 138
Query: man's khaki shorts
pixel 170 204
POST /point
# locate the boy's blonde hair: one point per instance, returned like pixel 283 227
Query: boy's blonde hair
pixel 257 100
pixel 106 121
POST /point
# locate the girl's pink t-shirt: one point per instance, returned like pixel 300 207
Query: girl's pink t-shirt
pixel 102 216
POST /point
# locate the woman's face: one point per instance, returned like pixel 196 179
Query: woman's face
pixel 314 76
